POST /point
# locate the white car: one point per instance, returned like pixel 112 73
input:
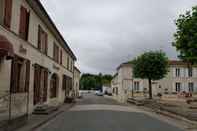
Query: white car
pixel 98 93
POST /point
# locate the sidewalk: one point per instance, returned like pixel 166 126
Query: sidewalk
pixel 35 121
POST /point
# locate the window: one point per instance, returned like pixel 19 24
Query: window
pixel 56 53
pixel 191 87
pixel 54 86
pixel 24 23
pixel 42 40
pixel 68 63
pixel 40 84
pixel 178 87
pixel 2 11
pixel 7 12
pixel 136 85
pixel 64 82
pixel 61 57
pixel 20 74
pixel 71 65
pixel 177 72
pixel 190 72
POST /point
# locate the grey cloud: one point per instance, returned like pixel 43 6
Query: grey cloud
pixel 104 33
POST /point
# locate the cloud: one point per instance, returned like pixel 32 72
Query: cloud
pixel 105 33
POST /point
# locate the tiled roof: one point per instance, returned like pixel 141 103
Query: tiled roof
pixel 177 62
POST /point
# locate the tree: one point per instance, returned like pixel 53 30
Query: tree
pixel 91 81
pixel 186 36
pixel 151 65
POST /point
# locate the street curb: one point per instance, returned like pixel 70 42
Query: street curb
pixel 50 118
pixel 175 116
pixel 168 114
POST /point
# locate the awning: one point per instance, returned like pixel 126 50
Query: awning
pixel 6 48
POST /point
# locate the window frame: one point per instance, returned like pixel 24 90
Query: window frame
pixel 24 23
pixel 56 51
pixel 178 87
pixel 177 72
pixel 191 88
pixel 190 72
pixel 42 40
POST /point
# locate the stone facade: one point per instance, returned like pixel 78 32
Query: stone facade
pixel 178 79
pixel 77 76
pixel 28 50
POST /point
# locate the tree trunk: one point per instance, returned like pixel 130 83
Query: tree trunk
pixel 150 88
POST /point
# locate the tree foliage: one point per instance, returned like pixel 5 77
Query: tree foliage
pixel 186 36
pixel 95 82
pixel 151 65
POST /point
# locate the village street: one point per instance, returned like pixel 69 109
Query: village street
pixel 98 113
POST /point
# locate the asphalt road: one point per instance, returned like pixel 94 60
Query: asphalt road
pixel 94 113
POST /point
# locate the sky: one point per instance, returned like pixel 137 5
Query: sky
pixel 105 33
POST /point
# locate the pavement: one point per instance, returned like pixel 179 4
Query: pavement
pixel 97 113
pixel 35 121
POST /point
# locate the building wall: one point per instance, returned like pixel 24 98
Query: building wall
pixel 76 82
pixel 124 81
pixel 33 54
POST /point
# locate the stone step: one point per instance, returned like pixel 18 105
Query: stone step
pixel 44 110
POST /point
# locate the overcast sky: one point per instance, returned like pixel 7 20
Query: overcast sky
pixel 105 33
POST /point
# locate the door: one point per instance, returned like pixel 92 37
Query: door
pixel 40 84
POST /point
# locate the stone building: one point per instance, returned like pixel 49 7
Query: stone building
pixel 179 78
pixel 77 76
pixel 36 63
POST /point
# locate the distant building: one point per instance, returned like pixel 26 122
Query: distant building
pixel 179 78
pixel 77 76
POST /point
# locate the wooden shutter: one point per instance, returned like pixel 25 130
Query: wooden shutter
pixel 37 84
pixel 8 13
pixel 27 76
pixel 45 85
pixel 22 22
pixel 61 57
pixel 46 43
pixel 39 37
pixel 14 70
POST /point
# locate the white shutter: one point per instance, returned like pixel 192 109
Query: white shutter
pixel 186 72
pixel 182 72
pixel 174 72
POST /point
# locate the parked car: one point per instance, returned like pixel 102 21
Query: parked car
pixel 99 93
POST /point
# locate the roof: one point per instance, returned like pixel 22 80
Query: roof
pixel 124 64
pixel 177 62
pixel 77 69
pixel 171 62
pixel 37 6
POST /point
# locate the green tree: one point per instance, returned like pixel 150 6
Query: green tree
pixel 186 36
pixel 151 65
pixel 91 81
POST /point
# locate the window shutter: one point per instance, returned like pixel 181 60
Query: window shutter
pixel 27 76
pixel 46 43
pixel 14 71
pixel 22 22
pixel 39 37
pixel 8 13
pixel 57 52
pixel 61 57
pixel 27 25
pixel 45 85
pixel 36 84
